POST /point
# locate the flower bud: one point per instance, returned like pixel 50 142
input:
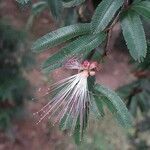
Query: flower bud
pixel 92 73
pixel 86 64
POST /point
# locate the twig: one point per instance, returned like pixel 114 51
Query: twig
pixel 142 74
pixel 126 3
pixel 109 31
pixel 109 35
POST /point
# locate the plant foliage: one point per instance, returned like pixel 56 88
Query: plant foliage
pixel 59 36
pixel 85 37
pixel 23 1
pixel 72 3
pixel 104 13
pixel 142 8
pixel 137 93
pixel 134 35
pixel 13 85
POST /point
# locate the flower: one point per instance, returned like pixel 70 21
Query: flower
pixel 71 101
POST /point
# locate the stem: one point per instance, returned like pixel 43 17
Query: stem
pixel 109 30
pixel 142 74
pixel 126 3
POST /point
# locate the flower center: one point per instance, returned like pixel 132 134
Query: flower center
pixel 89 68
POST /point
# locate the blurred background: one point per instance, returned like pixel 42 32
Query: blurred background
pixel 21 77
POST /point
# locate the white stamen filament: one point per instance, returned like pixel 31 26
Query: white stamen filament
pixel 71 101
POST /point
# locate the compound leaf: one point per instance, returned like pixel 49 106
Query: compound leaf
pixel 105 13
pixel 59 36
pixel 38 7
pixel 23 1
pixel 55 7
pixel 142 8
pixel 72 3
pixel 116 104
pixel 84 43
pixel 134 35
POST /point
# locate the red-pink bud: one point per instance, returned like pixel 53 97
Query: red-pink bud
pixel 86 64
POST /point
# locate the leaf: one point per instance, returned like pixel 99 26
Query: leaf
pixel 23 1
pixel 142 102
pixel 147 99
pixel 133 106
pixel 99 105
pixel 104 13
pixel 136 1
pixel 125 90
pixel 91 83
pixel 59 36
pixel 38 7
pixel 70 16
pixel 72 3
pixel 79 131
pixel 65 122
pixel 96 106
pixel 121 112
pixel 134 35
pixel 84 43
pixel 77 135
pixel 142 8
pixel 55 7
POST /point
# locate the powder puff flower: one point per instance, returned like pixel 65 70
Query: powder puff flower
pixel 72 98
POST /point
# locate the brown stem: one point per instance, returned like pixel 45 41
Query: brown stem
pixel 109 31
pixel 109 35
pixel 142 74
pixel 126 3
pixel 90 6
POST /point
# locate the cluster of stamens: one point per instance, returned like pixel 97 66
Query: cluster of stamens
pixel 89 68
pixel 73 95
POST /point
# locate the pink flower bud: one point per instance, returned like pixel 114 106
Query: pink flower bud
pixel 92 73
pixel 86 64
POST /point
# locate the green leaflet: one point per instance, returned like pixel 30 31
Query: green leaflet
pixel 38 7
pixel 77 134
pixel 104 13
pixel 65 122
pixel 83 43
pixel 142 8
pixel 136 1
pixel 117 106
pixel 72 3
pixel 137 100
pixel 59 36
pixel 134 35
pixel 71 16
pixel 125 90
pixel 23 1
pixel 97 105
pixel 142 101
pixel 145 65
pixel 133 106
pixel 55 7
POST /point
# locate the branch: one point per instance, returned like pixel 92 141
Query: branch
pixel 126 3
pixel 109 30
